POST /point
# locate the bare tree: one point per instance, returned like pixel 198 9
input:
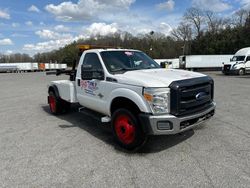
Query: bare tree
pixel 183 33
pixel 214 23
pixel 195 17
pixel 211 21
pixel 240 17
pixel 247 22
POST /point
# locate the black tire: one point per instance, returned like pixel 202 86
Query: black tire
pixel 241 72
pixel 127 130
pixel 57 105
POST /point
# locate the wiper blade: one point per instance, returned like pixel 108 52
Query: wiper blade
pixel 149 67
pixel 123 69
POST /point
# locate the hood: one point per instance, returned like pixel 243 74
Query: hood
pixel 155 77
pixel 233 62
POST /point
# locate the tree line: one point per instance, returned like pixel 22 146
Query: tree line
pixel 18 57
pixel 199 32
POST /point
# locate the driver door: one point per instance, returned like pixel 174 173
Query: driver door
pixel 90 92
pixel 248 64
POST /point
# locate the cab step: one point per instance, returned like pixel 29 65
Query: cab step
pixel 94 115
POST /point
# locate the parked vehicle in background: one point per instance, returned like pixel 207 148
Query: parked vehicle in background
pixel 23 67
pixel 52 66
pixel 239 64
pixel 203 62
pixel 8 68
pixel 130 90
pixel 41 67
pixel 62 66
pixel 168 63
pixel 30 67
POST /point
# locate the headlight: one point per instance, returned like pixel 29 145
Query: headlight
pixel 158 99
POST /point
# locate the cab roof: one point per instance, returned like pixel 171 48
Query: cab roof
pixel 85 47
pixel 243 52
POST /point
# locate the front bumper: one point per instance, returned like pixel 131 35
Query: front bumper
pixel 231 71
pixel 169 124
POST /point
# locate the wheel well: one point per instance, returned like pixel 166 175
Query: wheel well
pixel 243 70
pixel 51 89
pixel 122 102
pixel 54 89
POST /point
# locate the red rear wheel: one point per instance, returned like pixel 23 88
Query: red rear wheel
pixel 57 105
pixel 52 103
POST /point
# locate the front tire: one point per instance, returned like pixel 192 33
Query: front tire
pixel 127 130
pixel 241 72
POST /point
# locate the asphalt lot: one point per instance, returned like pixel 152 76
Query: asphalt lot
pixel 38 149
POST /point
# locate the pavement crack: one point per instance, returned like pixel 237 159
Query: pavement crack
pixel 247 133
pixel 133 174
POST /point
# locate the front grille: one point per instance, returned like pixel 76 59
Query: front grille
pixel 191 96
pixel 227 67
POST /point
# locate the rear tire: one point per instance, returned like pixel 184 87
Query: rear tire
pixel 57 105
pixel 127 130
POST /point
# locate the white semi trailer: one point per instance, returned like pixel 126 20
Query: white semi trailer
pixel 8 68
pixel 168 63
pixel 24 67
pixel 203 62
pixel 30 67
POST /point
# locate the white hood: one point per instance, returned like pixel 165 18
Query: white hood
pixel 155 77
pixel 233 62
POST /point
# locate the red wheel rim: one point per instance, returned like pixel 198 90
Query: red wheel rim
pixel 52 103
pixel 124 128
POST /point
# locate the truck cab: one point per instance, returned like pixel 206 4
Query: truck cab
pixel 135 94
pixel 239 64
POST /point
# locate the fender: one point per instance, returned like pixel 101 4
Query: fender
pixel 55 89
pixel 131 95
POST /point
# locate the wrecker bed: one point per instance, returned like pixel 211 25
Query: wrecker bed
pixel 66 90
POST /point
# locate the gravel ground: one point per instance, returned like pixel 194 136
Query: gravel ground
pixel 38 149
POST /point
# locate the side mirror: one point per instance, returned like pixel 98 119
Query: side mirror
pixel 88 73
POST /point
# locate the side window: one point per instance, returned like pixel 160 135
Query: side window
pixel 248 58
pixel 92 59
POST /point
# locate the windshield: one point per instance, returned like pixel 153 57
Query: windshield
pixel 238 58
pixel 122 61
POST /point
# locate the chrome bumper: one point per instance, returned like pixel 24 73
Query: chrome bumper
pixel 169 124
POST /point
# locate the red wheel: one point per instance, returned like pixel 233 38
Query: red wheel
pixel 52 103
pixel 127 130
pixel 57 105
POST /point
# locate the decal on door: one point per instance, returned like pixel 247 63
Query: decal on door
pixel 89 86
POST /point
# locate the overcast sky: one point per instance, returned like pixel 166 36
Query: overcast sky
pixel 33 26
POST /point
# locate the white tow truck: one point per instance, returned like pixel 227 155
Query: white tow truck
pixel 138 97
pixel 239 64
